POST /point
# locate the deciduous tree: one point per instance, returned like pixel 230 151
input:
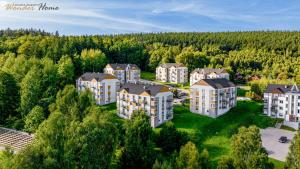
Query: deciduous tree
pixel 9 96
pixel 247 149
pixel 169 139
pixel 31 90
pixel 139 147
pixel 190 158
pixel 293 158
pixel 34 118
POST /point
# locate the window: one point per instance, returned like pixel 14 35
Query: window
pixel 281 101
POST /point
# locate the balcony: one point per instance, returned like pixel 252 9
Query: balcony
pixel 223 101
pixel 153 109
pixel 223 107
pixel 274 105
pixel 133 104
pixel 153 103
pixel 169 100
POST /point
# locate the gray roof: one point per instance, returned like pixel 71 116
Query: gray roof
pixel 281 89
pixel 133 88
pixel 15 139
pixel 123 66
pixel 98 76
pixel 215 83
pixel 209 70
pixel 168 65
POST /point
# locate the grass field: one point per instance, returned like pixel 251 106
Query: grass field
pixel 148 76
pixel 287 128
pixel 214 134
pixel 151 76
pixel 241 91
pixel 277 164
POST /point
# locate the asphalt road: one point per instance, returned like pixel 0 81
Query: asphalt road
pixel 275 149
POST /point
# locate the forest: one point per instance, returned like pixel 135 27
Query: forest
pixel 37 93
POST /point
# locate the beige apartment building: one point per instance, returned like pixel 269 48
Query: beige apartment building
pixel 172 72
pixel 283 101
pixel 212 97
pixel 103 86
pixel 207 73
pixel 155 100
pixel 124 72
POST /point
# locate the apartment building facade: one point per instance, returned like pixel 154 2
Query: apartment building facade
pixel 212 97
pixel 124 72
pixel 155 100
pixel 283 101
pixel 172 72
pixel 103 86
pixel 207 73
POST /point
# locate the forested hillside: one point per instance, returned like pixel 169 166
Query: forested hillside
pixel 272 54
pixel 37 93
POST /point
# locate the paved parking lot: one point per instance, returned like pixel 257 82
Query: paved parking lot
pixel 270 141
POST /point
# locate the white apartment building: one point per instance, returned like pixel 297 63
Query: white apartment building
pixel 283 101
pixel 103 86
pixel 155 100
pixel 124 72
pixel 172 72
pixel 212 97
pixel 207 73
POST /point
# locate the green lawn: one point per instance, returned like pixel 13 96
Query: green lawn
pixel 148 75
pixel 277 164
pixel 214 134
pixel 241 91
pixel 151 76
pixel 287 128
pixel 181 86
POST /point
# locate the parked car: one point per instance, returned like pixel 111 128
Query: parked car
pixel 283 139
pixel 183 94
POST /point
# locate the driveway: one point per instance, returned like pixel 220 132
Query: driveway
pixel 275 149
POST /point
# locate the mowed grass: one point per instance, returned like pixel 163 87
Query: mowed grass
pixel 148 76
pixel 215 134
pixel 287 128
pixel 241 91
pixel 277 164
pixel 152 77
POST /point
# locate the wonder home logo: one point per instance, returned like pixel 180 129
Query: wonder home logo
pixel 28 6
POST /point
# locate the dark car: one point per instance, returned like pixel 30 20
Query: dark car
pixel 283 139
